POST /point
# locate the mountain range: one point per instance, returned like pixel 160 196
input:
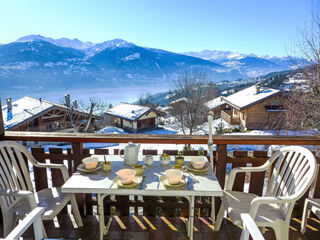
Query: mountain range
pixel 38 63
pixel 250 65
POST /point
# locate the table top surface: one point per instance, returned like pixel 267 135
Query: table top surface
pixel 205 184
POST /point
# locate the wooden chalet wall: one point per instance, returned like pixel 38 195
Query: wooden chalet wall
pixel 52 120
pixel 55 118
pixel 147 120
pixel 217 111
pixel 256 116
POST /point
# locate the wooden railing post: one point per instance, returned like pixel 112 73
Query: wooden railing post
pixel 77 150
pixel 221 159
pixel 220 169
pixel 1 121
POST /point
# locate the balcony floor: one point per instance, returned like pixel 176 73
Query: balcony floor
pixel 163 231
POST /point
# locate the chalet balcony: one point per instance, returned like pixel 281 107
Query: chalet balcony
pixel 227 116
pixel 157 217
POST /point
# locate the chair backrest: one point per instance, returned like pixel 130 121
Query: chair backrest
pixel 314 183
pixel 293 172
pixel 14 172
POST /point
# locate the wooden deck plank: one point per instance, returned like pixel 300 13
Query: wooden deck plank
pixel 161 231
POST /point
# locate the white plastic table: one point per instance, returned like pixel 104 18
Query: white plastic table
pixel 103 185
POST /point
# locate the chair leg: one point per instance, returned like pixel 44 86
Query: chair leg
pixel 304 217
pixel 219 218
pixel 281 231
pixel 76 212
pixel 44 231
pixel 9 222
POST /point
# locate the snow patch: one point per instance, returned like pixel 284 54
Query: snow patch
pixel 131 57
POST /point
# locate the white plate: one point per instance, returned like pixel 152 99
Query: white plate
pixel 166 183
pixel 136 181
pixel 201 170
pixel 82 168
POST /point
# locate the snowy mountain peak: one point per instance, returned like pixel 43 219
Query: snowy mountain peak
pixel 30 38
pixel 235 56
pixel 215 55
pixel 115 43
pixel 88 47
pixel 111 44
pixel 62 42
pixel 73 43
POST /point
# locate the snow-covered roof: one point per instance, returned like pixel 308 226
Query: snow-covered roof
pixel 248 97
pixel 217 102
pixel 167 109
pixel 25 108
pixel 128 111
pixel 179 100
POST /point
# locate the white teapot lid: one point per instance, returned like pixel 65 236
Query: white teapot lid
pixel 131 144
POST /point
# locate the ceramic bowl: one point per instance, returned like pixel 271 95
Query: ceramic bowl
pixel 139 168
pixel 90 162
pixel 173 176
pixel 198 162
pixel 165 159
pixel 126 175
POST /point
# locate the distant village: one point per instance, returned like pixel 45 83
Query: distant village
pixel 247 109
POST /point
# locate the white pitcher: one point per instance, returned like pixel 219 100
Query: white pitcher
pixel 131 152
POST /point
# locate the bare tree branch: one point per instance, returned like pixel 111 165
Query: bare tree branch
pixel 189 94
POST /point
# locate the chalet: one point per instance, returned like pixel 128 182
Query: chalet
pixel 133 117
pixel 252 107
pixel 216 106
pixel 32 114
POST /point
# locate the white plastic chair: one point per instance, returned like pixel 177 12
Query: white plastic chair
pixel 293 173
pixel 34 217
pixel 250 228
pixel 312 204
pixel 17 196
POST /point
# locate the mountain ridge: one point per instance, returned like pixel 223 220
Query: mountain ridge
pixel 43 63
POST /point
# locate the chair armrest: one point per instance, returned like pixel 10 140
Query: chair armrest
pixel 256 202
pixel 62 167
pixel 234 172
pixel 250 228
pixel 33 217
pixel 20 194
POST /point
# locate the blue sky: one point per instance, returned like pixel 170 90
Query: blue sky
pixel 245 26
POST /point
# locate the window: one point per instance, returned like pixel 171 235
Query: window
pixel 273 107
pixel 57 125
pixel 48 126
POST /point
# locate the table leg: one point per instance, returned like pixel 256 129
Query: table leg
pixel 101 216
pixel 187 226
pixel 213 211
pixel 191 217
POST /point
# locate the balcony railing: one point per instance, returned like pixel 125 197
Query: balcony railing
pixel 227 116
